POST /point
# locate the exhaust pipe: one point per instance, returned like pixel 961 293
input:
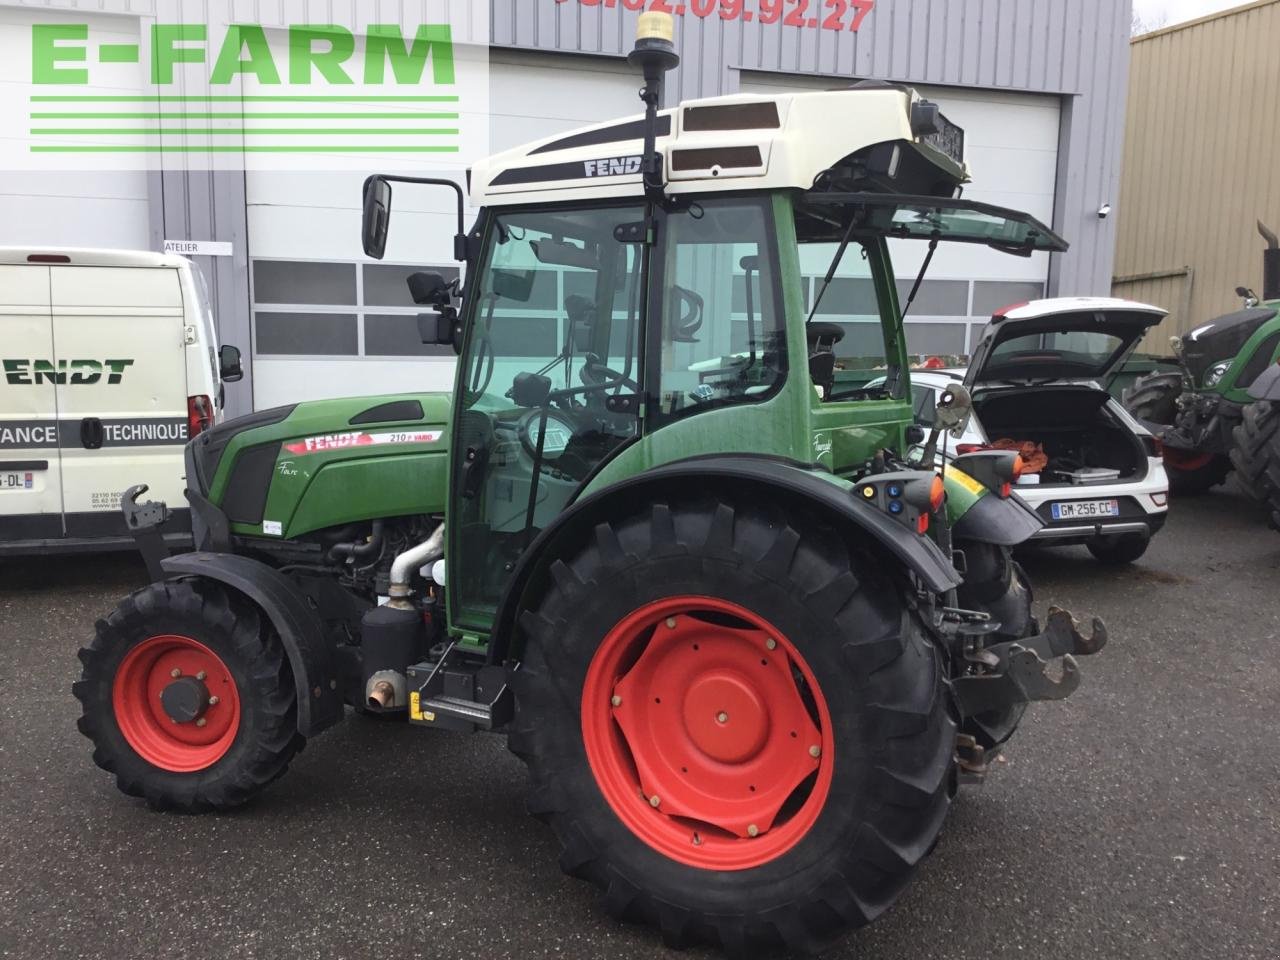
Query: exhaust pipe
pixel 424 554
pixel 1270 264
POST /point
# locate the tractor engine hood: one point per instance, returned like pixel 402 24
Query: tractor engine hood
pixel 1067 339
pixel 1221 339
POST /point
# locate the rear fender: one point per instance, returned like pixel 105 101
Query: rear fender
pixel 771 480
pixel 1267 386
pixel 315 673
pixel 993 519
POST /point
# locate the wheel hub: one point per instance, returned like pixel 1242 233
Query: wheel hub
pixel 185 700
pixel 708 733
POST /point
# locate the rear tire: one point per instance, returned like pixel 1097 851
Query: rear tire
pixel 1118 551
pixel 870 681
pixel 1154 398
pixel 1257 455
pixel 196 633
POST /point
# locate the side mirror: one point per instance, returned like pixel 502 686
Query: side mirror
pixel 514 285
pixel 530 390
pixel 377 216
pixel 429 289
pixel 230 364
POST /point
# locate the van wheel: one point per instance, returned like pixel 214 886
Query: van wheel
pixel 734 725
pixel 1117 551
pixel 188 698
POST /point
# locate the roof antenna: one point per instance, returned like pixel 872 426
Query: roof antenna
pixel 655 54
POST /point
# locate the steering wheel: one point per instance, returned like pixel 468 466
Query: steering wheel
pixel 595 374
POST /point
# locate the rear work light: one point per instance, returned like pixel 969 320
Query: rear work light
pixel 199 416
pixel 937 494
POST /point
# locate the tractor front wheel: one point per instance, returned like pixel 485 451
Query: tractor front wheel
pixel 1153 399
pixel 188 698
pixel 734 725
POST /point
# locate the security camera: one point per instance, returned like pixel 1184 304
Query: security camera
pixel 1104 211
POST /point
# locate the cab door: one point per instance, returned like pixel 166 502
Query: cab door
pixel 119 336
pixel 30 469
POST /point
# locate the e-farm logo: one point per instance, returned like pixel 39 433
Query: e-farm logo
pixel 291 88
pixel 63 373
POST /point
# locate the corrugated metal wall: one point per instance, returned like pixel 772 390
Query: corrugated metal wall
pixel 1200 162
pixel 1074 48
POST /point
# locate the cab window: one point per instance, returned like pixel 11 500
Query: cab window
pixel 723 335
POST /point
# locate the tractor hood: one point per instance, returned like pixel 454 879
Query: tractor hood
pixel 1073 338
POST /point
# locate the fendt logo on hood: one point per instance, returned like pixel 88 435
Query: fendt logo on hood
pixel 75 373
pixel 613 167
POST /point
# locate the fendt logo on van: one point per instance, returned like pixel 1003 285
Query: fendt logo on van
pixel 225 94
pixel 65 373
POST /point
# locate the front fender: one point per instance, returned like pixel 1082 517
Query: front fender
pixel 315 674
pixel 771 479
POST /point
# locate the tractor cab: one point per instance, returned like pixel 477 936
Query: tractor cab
pixel 616 319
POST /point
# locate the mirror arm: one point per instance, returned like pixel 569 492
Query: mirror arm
pixel 460 239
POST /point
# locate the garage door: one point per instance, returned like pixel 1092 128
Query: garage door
pixel 55 208
pixel 1012 144
pixel 327 322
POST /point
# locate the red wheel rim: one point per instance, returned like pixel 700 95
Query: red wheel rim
pixel 707 733
pixel 141 680
pixel 1186 461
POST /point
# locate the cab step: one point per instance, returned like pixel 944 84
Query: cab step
pixel 459 692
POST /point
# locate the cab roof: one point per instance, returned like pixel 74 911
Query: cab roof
pixel 741 142
pixel 88 257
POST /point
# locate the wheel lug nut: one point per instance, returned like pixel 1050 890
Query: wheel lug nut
pixel 722 717
pixel 616 701
pixel 175 673
pixel 201 722
pixel 697 840
pixel 214 701
pixel 753 831
pixel 771 643
pixel 655 801
pixel 815 752
pixel 201 675
pixel 671 623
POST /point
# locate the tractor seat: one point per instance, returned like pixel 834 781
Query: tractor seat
pixel 823 338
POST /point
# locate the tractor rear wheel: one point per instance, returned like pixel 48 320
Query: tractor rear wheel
pixel 734 725
pixel 1153 399
pixel 1256 455
pixel 188 698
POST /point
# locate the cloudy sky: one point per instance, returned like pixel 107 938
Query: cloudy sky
pixel 1176 11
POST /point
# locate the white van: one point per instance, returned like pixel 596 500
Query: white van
pixel 109 364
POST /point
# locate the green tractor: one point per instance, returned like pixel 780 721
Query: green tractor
pixel 747 651
pixel 1207 411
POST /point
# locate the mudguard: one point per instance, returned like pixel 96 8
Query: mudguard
pixel 1267 386
pixel 314 671
pixel 771 478
pixel 1004 522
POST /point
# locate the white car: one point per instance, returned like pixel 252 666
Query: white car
pixel 1039 375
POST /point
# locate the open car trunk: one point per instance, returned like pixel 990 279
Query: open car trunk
pixel 1072 424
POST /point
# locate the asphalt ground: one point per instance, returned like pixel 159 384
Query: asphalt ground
pixel 1139 819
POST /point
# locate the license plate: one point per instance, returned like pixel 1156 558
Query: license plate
pixel 1086 510
pixel 18 481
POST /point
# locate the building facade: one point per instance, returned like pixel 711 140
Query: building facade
pixel 1038 86
pixel 1202 138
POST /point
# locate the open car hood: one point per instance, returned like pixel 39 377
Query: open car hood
pixel 1073 338
pixel 904 217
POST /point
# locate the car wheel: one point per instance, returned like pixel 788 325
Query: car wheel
pixel 1116 551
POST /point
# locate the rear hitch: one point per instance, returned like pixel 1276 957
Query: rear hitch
pixel 1017 671
pixel 144 521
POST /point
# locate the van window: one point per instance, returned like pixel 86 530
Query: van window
pixel 209 329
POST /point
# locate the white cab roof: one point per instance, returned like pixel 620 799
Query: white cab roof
pixel 739 142
pixel 85 257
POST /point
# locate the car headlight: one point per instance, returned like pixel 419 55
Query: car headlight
pixel 1216 373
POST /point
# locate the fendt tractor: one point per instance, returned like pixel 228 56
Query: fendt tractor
pixel 1220 407
pixel 747 648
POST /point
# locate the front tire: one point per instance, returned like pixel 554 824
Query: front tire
pixel 1153 399
pixel 734 726
pixel 188 698
pixel 1257 455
